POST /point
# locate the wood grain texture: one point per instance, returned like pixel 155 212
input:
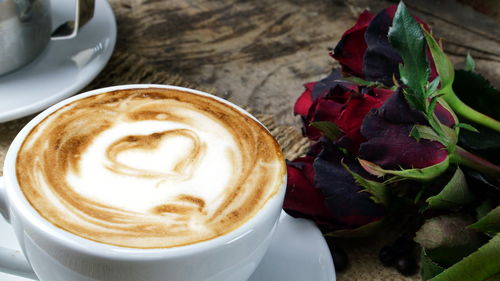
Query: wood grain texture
pixel 260 53
pixel 257 53
pixel 462 29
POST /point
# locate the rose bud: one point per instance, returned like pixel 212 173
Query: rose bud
pixel 322 189
pixel 364 50
pixel 343 103
pixel 391 146
pixel 351 48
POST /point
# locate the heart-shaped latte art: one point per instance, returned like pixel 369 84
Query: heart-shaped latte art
pixel 149 168
pixel 182 168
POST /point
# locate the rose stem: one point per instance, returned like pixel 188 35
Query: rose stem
pixel 467 112
pixel 463 157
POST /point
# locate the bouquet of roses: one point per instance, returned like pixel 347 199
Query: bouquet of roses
pixel 401 136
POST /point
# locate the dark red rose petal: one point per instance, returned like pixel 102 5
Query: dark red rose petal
pixel 381 60
pixel 390 145
pixel 379 93
pixel 306 104
pixel 397 110
pixel 302 199
pixel 326 193
pixel 351 47
pixel 351 118
pixel 342 92
pixel 348 205
pixel 305 101
pixel 444 115
pixel 374 126
pixel 324 86
pixel 322 110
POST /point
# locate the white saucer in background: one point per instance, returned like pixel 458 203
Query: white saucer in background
pixel 298 252
pixel 64 67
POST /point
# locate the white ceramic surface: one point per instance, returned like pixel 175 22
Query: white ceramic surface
pixel 298 252
pixel 64 67
pixel 57 255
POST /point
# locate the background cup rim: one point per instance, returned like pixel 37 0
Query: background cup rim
pixel 30 216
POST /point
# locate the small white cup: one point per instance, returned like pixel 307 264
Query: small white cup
pixel 57 255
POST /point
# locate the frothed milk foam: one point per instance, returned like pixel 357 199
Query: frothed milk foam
pixel 149 168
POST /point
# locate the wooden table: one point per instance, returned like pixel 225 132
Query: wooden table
pixel 259 53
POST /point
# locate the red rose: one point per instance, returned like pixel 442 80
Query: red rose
pixel 351 48
pixel 364 50
pixel 342 103
pixel 321 189
pixel 374 125
pixel 389 143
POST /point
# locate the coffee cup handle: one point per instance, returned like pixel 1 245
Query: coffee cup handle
pixel 84 11
pixel 4 208
pixel 12 261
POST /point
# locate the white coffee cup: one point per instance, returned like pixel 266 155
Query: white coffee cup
pixel 54 254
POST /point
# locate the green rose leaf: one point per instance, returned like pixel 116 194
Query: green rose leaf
pixel 328 129
pixel 467 127
pixel 485 139
pixel 489 223
pixel 362 82
pixel 484 208
pixel 485 144
pixel 455 193
pixel 448 138
pixel 406 36
pixel 447 239
pixel 477 92
pixel 470 64
pixel 377 190
pixel 482 265
pixel 432 86
pixel 460 99
pixel 447 256
pixel 425 132
pixel 362 231
pixel 424 174
pixel 429 268
pixel 443 64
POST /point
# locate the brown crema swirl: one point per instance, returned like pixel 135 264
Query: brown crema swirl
pixel 56 157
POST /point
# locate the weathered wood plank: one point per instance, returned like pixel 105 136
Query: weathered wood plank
pixel 462 29
pixel 259 53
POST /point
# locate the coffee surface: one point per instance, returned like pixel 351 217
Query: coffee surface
pixel 149 168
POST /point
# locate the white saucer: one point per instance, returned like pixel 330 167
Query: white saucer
pixel 298 252
pixel 64 67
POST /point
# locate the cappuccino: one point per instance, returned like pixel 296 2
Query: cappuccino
pixel 149 168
